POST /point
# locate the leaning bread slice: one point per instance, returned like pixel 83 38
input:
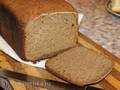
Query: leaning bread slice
pixel 80 66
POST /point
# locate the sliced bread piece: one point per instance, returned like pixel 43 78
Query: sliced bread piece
pixel 80 66
pixel 38 29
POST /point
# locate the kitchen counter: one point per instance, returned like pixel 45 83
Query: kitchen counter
pixel 98 25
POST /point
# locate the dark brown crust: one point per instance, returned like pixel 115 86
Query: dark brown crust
pixel 16 14
pixel 27 10
pixel 10 30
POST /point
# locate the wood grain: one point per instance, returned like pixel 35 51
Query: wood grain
pixel 11 64
pixel 111 82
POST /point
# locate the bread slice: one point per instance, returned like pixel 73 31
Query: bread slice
pixel 115 5
pixel 80 66
pixel 38 29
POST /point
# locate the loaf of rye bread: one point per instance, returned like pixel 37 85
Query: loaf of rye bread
pixel 80 66
pixel 38 29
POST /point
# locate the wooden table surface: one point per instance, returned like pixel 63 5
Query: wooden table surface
pixel 111 82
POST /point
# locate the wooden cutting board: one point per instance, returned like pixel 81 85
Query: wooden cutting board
pixel 111 82
pixel 13 65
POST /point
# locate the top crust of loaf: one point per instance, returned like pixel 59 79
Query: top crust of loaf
pixel 26 10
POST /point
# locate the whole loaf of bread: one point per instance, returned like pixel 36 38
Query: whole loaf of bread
pixel 38 29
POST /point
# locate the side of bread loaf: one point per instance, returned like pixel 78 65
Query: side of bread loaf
pixel 80 66
pixel 38 29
